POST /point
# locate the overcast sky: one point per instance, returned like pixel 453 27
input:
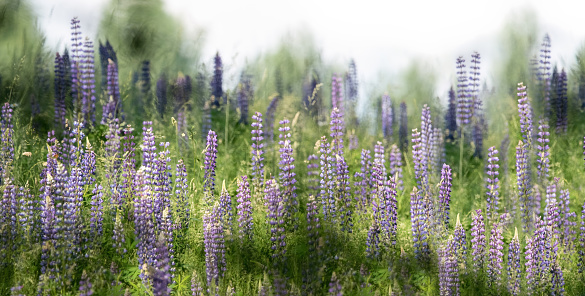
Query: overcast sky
pixel 382 36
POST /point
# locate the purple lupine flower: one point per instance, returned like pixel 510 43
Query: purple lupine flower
pixel 244 209
pixel 161 186
pixel 213 233
pixel 551 214
pixel 196 286
pixel 106 53
pixel 460 242
pixel 6 143
pixel 494 266
pixel 473 86
pixel 275 218
pixel 540 255
pixel 16 290
pixel 463 106
pixel 378 173
pixel 581 251
pixel 313 235
pixel 342 197
pixel 557 279
pixel 244 96
pixel 523 184
pixel 286 165
pixel 373 238
pixel 279 283
pixel 209 165
pixel 387 119
pixel 145 83
pixel 257 152
pixel 532 262
pixel 395 166
pixel 451 116
pixel 336 127
pixel 85 285
pixel 403 129
pixel 328 178
pixel 60 92
pixel 337 93
pixel 389 214
pixel 562 104
pixel 270 113
pixel 161 94
pixel 113 107
pixel 426 136
pixel 445 195
pixel 313 172
pixel 418 216
pixel 335 288
pixel 76 64
pixel 478 241
pixel 492 184
pixel 352 82
pixel 477 136
pixel 567 226
pixel 417 157
pixel 88 83
pixel 8 209
pixel 27 208
pixel 514 268
pixel 543 151
pixel 448 268
pixel 161 278
pixel 543 74
pixel 364 183
pixel 143 224
pixel 216 82
pixel 264 287
pixel 524 110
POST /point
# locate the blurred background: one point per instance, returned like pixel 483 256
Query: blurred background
pixel 391 44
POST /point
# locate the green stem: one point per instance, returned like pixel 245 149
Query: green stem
pixel 227 119
pixel 461 140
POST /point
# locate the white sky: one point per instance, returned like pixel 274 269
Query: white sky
pixel 382 36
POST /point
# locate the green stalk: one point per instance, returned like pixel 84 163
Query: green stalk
pixel 227 120
pixel 461 140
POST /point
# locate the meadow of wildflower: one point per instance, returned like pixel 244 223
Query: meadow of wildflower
pixel 145 181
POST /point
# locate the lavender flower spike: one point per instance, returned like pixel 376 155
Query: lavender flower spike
pixel 210 163
pixel 514 268
pixel 257 152
pixel 478 240
pixel 386 115
pixel 543 152
pixel 445 195
pixel 494 268
pixel 463 105
pixel 524 110
pixel 244 210
pixel 493 184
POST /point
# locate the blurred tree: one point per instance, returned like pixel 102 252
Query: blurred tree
pixel 24 63
pixel 140 30
pixel 579 76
